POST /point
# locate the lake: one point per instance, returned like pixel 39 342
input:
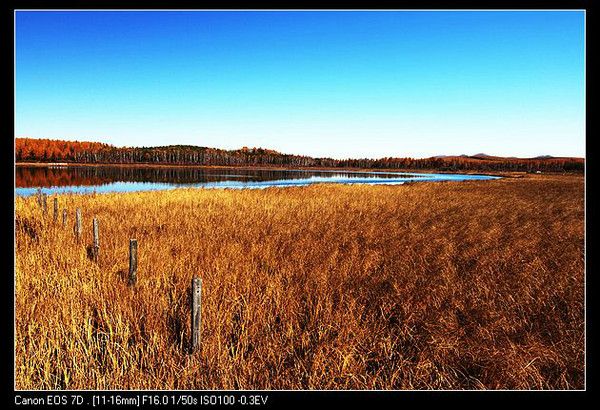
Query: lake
pixel 88 179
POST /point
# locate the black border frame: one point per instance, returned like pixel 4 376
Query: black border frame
pixel 302 397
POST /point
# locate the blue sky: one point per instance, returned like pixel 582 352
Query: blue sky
pixel 337 84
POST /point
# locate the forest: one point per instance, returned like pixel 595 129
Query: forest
pixel 48 150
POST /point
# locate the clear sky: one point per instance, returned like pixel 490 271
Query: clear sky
pixel 336 84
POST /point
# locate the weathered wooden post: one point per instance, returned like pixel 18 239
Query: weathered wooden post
pixel 64 218
pixel 38 197
pixel 196 312
pixel 133 260
pixel 78 224
pixel 45 203
pixel 55 210
pixel 96 246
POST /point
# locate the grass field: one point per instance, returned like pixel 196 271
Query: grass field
pixel 456 285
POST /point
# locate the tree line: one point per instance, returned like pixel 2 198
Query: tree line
pixel 47 150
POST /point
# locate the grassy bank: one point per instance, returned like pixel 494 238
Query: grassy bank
pixel 423 286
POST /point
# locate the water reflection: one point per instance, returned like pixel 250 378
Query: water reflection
pixel 83 179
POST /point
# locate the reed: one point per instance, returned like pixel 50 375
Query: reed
pixel 455 285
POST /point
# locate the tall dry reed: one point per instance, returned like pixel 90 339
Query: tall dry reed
pixel 464 285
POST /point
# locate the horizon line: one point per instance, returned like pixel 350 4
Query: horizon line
pixel 478 154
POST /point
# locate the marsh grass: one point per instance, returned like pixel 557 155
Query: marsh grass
pixel 466 285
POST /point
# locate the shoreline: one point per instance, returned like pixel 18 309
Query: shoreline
pixel 505 174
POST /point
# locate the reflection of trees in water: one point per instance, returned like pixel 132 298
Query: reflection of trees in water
pixel 74 176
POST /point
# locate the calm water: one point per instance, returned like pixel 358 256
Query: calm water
pixel 59 179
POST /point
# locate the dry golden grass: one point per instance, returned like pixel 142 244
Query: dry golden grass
pixel 462 285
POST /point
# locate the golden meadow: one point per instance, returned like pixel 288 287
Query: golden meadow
pixel 455 285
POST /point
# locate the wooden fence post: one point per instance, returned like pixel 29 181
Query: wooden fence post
pixel 55 210
pixel 96 248
pixel 45 203
pixel 78 224
pixel 133 260
pixel 64 217
pixel 196 312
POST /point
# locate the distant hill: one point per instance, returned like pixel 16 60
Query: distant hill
pixel 493 157
pixel 46 150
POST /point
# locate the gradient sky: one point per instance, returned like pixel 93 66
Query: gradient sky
pixel 336 84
